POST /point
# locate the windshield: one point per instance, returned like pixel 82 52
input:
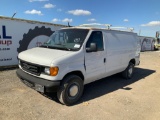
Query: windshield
pixel 67 39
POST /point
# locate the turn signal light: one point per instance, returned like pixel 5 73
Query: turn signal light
pixel 53 71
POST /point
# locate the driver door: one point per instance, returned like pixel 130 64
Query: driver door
pixel 95 61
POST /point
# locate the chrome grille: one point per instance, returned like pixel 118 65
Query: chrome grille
pixel 31 68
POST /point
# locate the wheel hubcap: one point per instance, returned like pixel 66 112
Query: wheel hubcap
pixel 130 71
pixel 73 90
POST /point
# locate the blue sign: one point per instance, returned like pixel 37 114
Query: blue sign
pixel 4 35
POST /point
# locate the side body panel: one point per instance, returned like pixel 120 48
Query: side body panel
pixel 121 47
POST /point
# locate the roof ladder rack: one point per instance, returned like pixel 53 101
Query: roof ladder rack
pixel 123 29
pixel 96 25
pixel 107 26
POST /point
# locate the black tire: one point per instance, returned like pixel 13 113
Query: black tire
pixel 153 46
pixel 71 82
pixel 142 46
pixel 128 72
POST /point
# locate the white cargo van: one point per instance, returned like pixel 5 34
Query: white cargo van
pixel 76 56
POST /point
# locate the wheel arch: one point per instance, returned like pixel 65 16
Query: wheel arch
pixel 133 61
pixel 78 73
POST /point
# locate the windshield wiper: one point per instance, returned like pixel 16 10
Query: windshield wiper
pixel 64 47
pixel 51 47
pixel 59 48
pixel 45 46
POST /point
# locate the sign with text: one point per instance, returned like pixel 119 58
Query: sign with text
pixel 19 35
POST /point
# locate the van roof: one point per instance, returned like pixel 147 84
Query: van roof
pixel 98 26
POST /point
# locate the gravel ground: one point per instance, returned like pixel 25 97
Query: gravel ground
pixel 112 98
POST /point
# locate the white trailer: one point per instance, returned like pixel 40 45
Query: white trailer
pixel 147 43
pixel 17 35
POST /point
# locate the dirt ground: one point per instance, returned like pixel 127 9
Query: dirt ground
pixel 112 98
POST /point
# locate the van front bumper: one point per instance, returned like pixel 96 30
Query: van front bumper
pixel 39 84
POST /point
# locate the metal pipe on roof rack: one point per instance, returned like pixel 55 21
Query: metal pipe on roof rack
pixel 96 25
pixel 122 28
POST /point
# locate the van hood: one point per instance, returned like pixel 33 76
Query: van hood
pixel 42 56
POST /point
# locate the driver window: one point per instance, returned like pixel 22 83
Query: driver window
pixel 96 37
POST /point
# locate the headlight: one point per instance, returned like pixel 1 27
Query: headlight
pixel 53 71
pixel 47 71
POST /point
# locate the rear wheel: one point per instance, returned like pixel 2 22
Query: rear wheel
pixel 128 72
pixel 70 90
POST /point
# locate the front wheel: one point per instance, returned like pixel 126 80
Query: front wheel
pixel 128 72
pixel 70 90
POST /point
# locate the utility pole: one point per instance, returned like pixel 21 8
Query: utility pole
pixel 139 32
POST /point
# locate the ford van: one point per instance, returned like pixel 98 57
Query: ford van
pixel 75 56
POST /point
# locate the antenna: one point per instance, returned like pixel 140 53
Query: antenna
pixel 14 14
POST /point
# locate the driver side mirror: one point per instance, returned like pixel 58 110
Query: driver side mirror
pixel 92 48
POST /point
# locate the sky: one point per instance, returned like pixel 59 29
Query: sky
pixel 142 15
